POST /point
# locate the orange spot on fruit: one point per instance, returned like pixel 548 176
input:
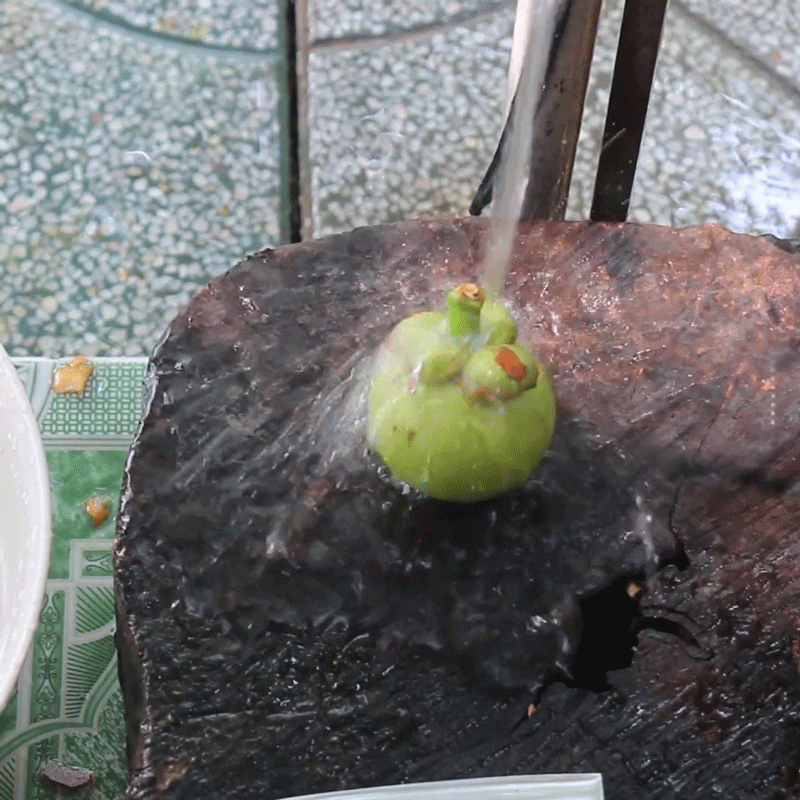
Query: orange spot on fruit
pixel 510 364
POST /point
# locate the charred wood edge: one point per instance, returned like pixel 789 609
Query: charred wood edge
pixel 132 683
pixel 675 625
pixel 131 668
pixel 791 246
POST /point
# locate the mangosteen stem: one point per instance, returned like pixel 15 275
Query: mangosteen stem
pixel 464 310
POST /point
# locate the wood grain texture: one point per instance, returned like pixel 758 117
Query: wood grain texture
pixel 290 622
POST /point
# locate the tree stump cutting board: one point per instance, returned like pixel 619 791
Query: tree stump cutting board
pixel 290 621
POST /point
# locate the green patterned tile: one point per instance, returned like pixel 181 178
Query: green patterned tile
pixel 105 750
pixel 94 606
pixel 8 771
pixel 104 417
pixel 7 719
pixel 67 706
pixel 39 753
pixel 105 409
pixel 96 562
pixel 47 659
pixel 45 695
pixel 75 477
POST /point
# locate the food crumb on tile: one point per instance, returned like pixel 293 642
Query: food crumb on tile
pixel 73 378
pixel 98 509
pixel 67 776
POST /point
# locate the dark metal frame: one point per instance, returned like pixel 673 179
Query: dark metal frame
pixel 558 116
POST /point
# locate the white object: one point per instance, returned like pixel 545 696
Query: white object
pixel 587 786
pixel 25 525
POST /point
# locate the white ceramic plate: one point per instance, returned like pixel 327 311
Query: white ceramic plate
pixel 519 787
pixel 25 525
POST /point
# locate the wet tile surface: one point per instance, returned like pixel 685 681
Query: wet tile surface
pixel 133 171
pixel 340 19
pixel 769 31
pixel 721 140
pixel 252 27
pixel 720 143
pixel 405 129
pixel 142 146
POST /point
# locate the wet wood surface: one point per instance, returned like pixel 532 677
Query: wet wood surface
pixel 290 622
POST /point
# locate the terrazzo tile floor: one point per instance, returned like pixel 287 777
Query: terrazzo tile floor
pixel 145 147
pixel 135 167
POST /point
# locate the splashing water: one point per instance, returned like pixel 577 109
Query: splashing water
pixel 512 176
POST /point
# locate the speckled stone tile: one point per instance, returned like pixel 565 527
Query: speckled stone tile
pixel 405 129
pixel 133 171
pixel 769 30
pixel 252 26
pixel 721 142
pixel 341 19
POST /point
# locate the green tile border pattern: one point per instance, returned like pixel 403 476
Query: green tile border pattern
pixel 67 705
pixel 104 417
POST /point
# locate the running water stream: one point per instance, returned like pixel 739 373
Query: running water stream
pixel 512 177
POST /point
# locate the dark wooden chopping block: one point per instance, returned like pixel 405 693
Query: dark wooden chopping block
pixel 290 622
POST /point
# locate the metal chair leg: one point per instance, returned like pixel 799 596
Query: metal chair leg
pixel 560 110
pixel 639 39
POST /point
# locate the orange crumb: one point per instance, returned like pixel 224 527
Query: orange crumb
pixel 73 378
pixel 633 590
pixel 98 509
